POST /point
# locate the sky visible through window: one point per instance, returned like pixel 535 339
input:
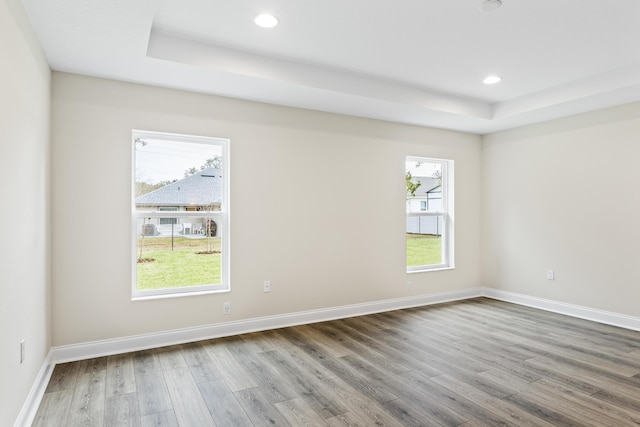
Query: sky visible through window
pixel 422 168
pixel 159 160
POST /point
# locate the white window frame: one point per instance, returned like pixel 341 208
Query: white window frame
pixel 221 218
pixel 447 214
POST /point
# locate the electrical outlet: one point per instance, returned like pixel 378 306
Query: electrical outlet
pixel 226 308
pixel 266 287
pixel 551 275
pixel 22 352
pixel 409 285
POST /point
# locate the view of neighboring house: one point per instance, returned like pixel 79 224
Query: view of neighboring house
pixel 428 198
pixel 201 191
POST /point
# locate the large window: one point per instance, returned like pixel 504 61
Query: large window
pixel 180 214
pixel 429 206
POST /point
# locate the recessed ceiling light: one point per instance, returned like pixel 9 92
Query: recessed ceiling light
pixel 489 5
pixel 491 80
pixel 266 20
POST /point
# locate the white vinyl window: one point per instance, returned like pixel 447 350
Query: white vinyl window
pixel 168 209
pixel 429 206
pixel 180 224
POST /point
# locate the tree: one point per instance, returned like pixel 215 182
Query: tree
pixel 438 175
pixel 144 223
pixel 190 171
pixel 412 187
pixel 214 162
pixel 143 187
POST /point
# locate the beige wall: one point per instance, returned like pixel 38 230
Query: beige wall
pixel 317 207
pixel 24 209
pixel 565 195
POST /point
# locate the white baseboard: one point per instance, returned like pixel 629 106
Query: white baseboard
pixel 89 350
pixel 108 347
pixel 28 412
pixel 593 314
pixel 93 349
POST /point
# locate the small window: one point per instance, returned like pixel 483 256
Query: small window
pixel 164 221
pixel 180 214
pixel 429 207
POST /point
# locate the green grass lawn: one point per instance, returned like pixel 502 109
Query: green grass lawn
pixel 179 267
pixel 423 249
pixel 182 266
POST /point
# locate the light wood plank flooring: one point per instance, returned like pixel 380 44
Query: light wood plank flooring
pixel 473 363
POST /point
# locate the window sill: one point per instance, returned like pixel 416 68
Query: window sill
pixel 178 294
pixel 427 270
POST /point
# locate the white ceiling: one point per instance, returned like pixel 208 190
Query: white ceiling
pixel 410 61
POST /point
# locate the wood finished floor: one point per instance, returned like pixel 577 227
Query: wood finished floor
pixel 474 363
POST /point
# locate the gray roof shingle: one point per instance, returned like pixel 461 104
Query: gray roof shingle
pixel 200 189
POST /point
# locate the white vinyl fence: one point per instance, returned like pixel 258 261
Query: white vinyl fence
pixel 424 225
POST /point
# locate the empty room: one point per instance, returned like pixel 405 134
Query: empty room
pixel 336 213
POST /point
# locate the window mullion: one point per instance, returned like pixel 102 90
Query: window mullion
pixel 173 214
